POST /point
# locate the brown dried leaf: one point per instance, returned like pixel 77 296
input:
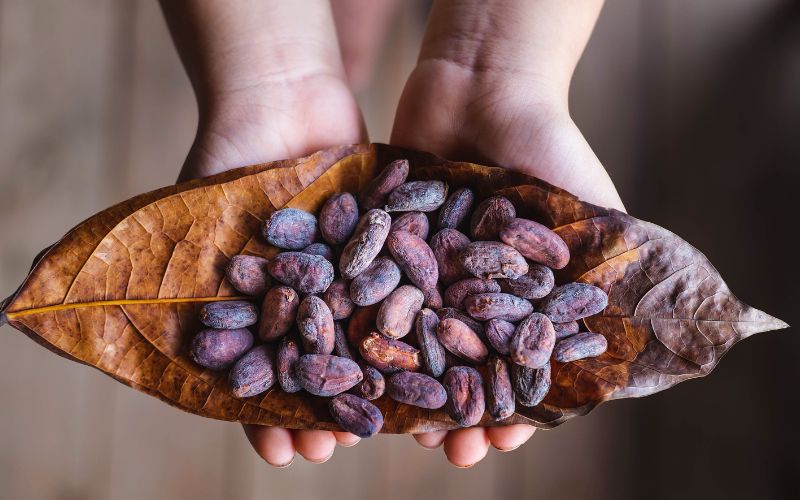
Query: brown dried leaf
pixel 121 291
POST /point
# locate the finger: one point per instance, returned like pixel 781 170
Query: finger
pixel 315 446
pixel 431 440
pixel 466 447
pixel 510 437
pixel 273 444
pixel 346 439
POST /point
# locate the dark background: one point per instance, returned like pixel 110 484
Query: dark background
pixel 694 107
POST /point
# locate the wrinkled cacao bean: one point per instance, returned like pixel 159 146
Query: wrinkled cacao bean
pixel 219 349
pixel 465 398
pixel 415 258
pixel 432 298
pixel 340 345
pixel 248 274
pixel 492 259
pixel 327 375
pixel 397 312
pixel 456 208
pixel 304 272
pixel 356 415
pixel 365 244
pixel 388 355
pixel 228 315
pixel 456 293
pixel 461 340
pixel 290 228
pixel 447 246
pixel 499 333
pixel 536 242
pixel 537 283
pixel 361 323
pixel 451 312
pixel 489 217
pixel 580 346
pixel 337 296
pixel 415 223
pixel 372 386
pixel 530 385
pixel 338 218
pixel 499 391
pixel 315 324
pixel 417 196
pixel 288 354
pixel 573 301
pixel 320 249
pixel 376 192
pixel 533 341
pixel 375 283
pixel 278 313
pixel 416 389
pixel 431 352
pixel 564 330
pixel 253 373
pixel 486 306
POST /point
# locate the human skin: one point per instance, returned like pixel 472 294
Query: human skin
pixel 491 86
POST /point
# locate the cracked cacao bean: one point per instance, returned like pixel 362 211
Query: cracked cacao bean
pixel 456 208
pixel 219 349
pixel 486 306
pixel 536 242
pixel 499 391
pixel 340 346
pixel 415 258
pixel 304 272
pixel 564 330
pixel 461 340
pixel 535 284
pixel 326 375
pixel 447 246
pixel 356 415
pixel 375 283
pixel 388 355
pixel 416 389
pixel 338 218
pixel 248 274
pixel 315 324
pixel 530 385
pixel 456 293
pixel 573 301
pixel 533 341
pixel 492 259
pixel 499 333
pixel 290 228
pixel 228 314
pixel 288 354
pixel 431 352
pixel 417 196
pixel 372 386
pixel 580 346
pixel 376 192
pixel 320 249
pixel 415 223
pixel 396 314
pixel 489 217
pixel 365 244
pixel 337 296
pixel 278 313
pixel 465 397
pixel 253 373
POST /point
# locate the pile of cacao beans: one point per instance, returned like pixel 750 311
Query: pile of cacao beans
pixel 470 325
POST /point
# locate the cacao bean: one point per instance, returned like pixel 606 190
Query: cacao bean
pixel 499 333
pixel 465 397
pixel 288 354
pixel 326 375
pixel 388 355
pixel 253 373
pixel 492 259
pixel 219 349
pixel 537 283
pixel 415 258
pixel 499 392
pixel 533 341
pixel 419 196
pixel 489 217
pixel 248 274
pixel 456 208
pixel 416 389
pixel 461 340
pixel 376 192
pixel 580 346
pixel 432 298
pixel 372 386
pixel 451 312
pixel 447 246
pixel 397 312
pixel 361 323
pixel 530 385
pixel 340 346
pixel 355 415
pixel 431 352
pixel 320 249
pixel 456 293
pixel 337 296
pixel 375 283
pixel 290 228
pixel 338 218
pixel 573 301
pixel 228 315
pixel 415 223
pixel 365 244
pixel 486 306
pixel 278 313
pixel 304 272
pixel 536 242
pixel 315 323
pixel 564 330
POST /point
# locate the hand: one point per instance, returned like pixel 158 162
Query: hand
pixel 485 94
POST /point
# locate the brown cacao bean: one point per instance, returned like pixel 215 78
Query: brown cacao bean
pixel 416 389
pixel 304 272
pixel 536 242
pixel 456 293
pixel 530 385
pixel 356 415
pixel 415 223
pixel 320 249
pixel 337 296
pixel 431 352
pixel 499 392
pixel 580 346
pixel 361 323
pixel 248 274
pixel 253 373
pixel 489 217
pixel 288 354
pixel 461 340
pixel 365 244
pixel 417 196
pixel 451 312
pixel 447 246
pixel 456 208
pixel 228 315
pixel 315 324
pixel 492 259
pixel 372 386
pixel 415 258
pixel 340 346
pixel 375 283
pixel 465 398
pixel 327 375
pixel 278 313
pixel 499 333
pixel 376 192
pixel 432 298
pixel 537 283
pixel 397 312
pixel 219 349
pixel 573 301
pixel 564 330
pixel 290 228
pixel 533 341
pixel 338 218
pixel 388 355
pixel 486 306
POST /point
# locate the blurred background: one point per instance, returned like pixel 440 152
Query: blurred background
pixel 694 108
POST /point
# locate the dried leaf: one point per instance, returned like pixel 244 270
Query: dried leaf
pixel 121 291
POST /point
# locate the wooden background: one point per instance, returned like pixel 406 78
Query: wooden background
pixel 694 106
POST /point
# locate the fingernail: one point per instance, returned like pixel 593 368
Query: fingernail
pixel 321 461
pixel 349 445
pixel 464 466
pixel 506 450
pixel 284 465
